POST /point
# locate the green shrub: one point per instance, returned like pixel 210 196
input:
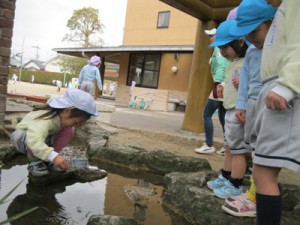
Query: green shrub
pixel 40 76
pixel 46 77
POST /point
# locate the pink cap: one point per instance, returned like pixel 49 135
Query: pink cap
pixel 95 60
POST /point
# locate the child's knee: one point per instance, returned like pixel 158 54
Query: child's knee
pixel 69 131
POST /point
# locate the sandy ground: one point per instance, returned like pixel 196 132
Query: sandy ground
pixel 35 89
pixel 148 140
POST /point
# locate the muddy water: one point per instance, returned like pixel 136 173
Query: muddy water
pixel 74 203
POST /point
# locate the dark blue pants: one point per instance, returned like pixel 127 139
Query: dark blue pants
pixel 210 108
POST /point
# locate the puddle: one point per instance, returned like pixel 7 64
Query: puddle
pixel 75 203
pixel 66 204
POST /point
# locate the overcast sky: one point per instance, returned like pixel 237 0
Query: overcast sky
pixel 43 23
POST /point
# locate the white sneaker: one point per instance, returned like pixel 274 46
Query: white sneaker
pixel 221 151
pixel 204 149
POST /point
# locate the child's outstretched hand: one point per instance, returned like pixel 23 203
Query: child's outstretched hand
pixel 60 162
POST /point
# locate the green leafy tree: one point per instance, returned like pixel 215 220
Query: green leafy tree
pixel 85 28
pixel 71 65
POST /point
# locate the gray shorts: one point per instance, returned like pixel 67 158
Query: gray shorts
pixel 18 139
pixel 250 119
pixel 88 87
pixel 278 142
pixel 234 133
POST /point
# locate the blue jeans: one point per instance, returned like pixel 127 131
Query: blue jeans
pixel 210 108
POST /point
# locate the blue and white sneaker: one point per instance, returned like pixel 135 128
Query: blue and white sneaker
pixel 228 190
pixel 217 183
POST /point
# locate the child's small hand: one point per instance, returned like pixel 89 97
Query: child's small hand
pixel 60 162
pixel 236 81
pixel 240 116
pixel 220 90
pixel 275 102
pixel 215 92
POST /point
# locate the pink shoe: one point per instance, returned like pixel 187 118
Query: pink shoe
pixel 230 199
pixel 241 207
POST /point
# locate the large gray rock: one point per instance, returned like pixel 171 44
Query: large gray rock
pixel 94 135
pixel 7 152
pixel 76 175
pixel 290 197
pixel 152 161
pixel 186 194
pixel 111 220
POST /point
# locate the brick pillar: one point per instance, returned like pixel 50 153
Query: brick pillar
pixel 7 14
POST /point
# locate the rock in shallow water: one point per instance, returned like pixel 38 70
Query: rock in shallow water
pixel 78 175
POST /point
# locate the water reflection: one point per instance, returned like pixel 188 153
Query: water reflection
pixel 140 209
pixel 38 196
pixel 74 203
pixel 67 203
pixel 139 212
pixel 147 211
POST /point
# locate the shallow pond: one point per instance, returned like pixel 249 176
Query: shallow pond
pixel 74 203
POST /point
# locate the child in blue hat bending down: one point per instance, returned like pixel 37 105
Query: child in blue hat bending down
pixel 253 21
pixel 234 49
pixel 277 125
pixel 44 132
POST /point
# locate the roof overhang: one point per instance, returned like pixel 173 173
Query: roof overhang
pixel 205 9
pixel 112 54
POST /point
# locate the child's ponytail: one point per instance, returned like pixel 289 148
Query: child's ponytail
pixel 51 112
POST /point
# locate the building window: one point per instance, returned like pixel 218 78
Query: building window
pixel 163 19
pixel 144 70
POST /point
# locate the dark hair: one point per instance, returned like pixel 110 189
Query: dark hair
pixel 268 22
pixel 52 112
pixel 239 50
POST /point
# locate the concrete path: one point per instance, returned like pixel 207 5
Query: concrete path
pixel 123 116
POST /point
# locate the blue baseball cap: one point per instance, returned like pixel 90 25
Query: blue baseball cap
pixel 250 14
pixel 223 36
pixel 232 14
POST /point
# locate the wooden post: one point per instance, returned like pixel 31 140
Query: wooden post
pixel 200 80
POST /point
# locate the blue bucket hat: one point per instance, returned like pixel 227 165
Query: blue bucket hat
pixel 77 99
pixel 250 14
pixel 223 36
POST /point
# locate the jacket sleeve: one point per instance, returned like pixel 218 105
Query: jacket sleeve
pixel 80 76
pixel 98 78
pixel 290 71
pixel 242 98
pixel 36 135
pixel 221 68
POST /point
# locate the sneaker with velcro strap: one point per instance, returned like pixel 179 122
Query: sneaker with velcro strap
pixel 38 168
pixel 54 168
pixel 228 190
pixel 234 198
pixel 241 207
pixel 216 183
